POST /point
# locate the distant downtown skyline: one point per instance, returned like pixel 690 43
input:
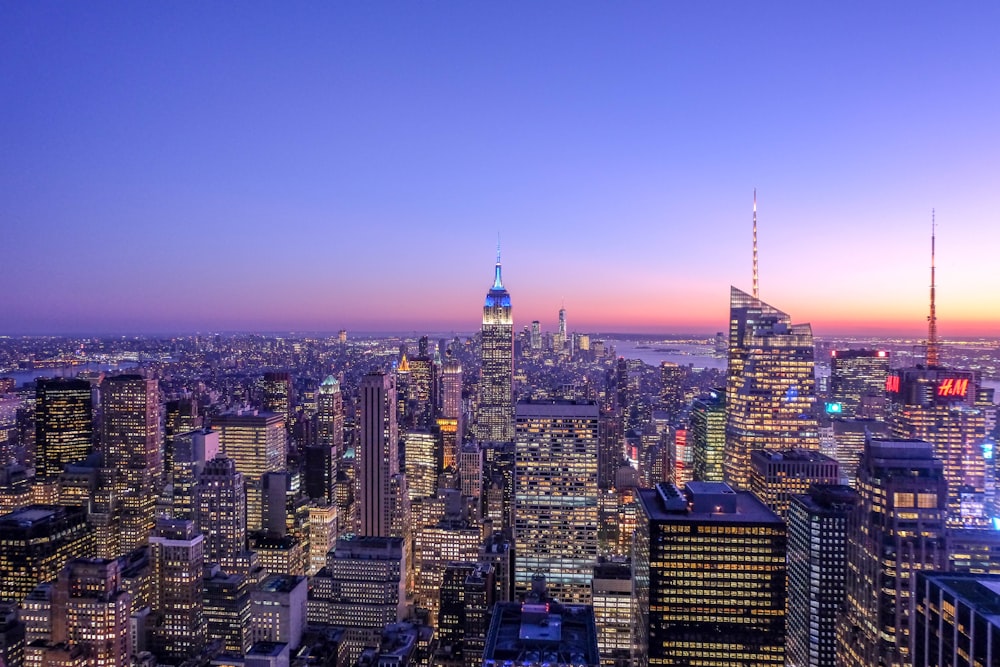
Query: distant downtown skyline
pixel 190 168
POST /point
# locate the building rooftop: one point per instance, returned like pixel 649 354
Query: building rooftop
pixel 705 502
pixel 539 633
pixel 280 583
pixel 981 592
pixel 791 455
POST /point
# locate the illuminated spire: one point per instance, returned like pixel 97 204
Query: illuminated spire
pixel 756 281
pixel 932 337
pixel 497 282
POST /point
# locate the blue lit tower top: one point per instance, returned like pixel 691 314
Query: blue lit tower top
pixel 495 414
pixel 498 295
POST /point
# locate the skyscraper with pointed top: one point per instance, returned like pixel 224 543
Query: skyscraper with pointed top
pixel 933 357
pixel 495 415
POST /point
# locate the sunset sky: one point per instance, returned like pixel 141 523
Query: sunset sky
pixel 174 167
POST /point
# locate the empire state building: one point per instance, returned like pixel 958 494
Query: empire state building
pixel 495 416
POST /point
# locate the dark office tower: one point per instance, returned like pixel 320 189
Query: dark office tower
pixel 707 436
pixel 495 413
pixel 770 386
pixel 958 620
pixel 181 416
pixel 777 476
pixel 222 511
pixel 424 385
pixel 896 530
pixel 938 405
pixel 536 335
pixel 621 385
pixel 378 454
pixel 817 564
pixel 258 444
pixel 672 397
pixel 610 449
pixel 467 595
pixel 63 425
pixel 226 603
pixel 11 636
pixel 320 473
pixel 278 395
pixel 857 379
pixel 177 555
pixel 709 572
pixel 131 441
pixel 498 480
pixel 330 417
pixel 92 610
pixel 555 501
pixel 36 542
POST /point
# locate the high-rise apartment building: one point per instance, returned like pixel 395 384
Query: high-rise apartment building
pixel 63 425
pixel 777 476
pixel 817 568
pixel 770 384
pixel 896 530
pixel 707 436
pixel 91 609
pixel 132 444
pixel 495 411
pixel 709 572
pixel 177 555
pixel 257 444
pixel 857 382
pixel 555 496
pixel 939 405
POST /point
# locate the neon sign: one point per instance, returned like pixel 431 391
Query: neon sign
pixel 953 387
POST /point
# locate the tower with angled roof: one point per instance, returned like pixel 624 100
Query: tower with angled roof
pixel 495 415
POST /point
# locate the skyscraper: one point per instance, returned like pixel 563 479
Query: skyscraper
pixel 278 395
pixel 63 425
pixel 495 414
pixel 257 444
pixel 132 442
pixel 896 530
pixel 451 400
pixel 770 385
pixel 177 555
pixel 220 502
pixel 378 454
pixel 777 476
pixel 707 435
pixel 709 572
pixel 555 501
pixel 91 609
pixel 857 381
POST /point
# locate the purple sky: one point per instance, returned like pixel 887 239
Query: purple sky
pixel 186 166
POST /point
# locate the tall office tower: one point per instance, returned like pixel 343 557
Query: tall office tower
pixel 849 436
pixel 177 555
pixel 36 543
pixel 672 395
pixel 421 463
pixel 451 395
pixel 561 338
pixel 12 631
pixel 857 381
pixel 222 511
pixel 709 571
pixel 770 386
pixel 91 609
pixel 10 451
pixel 896 530
pixel 938 405
pixel 191 451
pixel 322 535
pixel 378 454
pixel 131 441
pixel 613 612
pixel 278 395
pixel 447 431
pixel 680 457
pixel 278 610
pixel 468 591
pixel 817 564
pixel 498 473
pixel 257 444
pixel 180 416
pixel 226 604
pixel 610 449
pixel 495 413
pixel 63 425
pixel 536 335
pixel 451 539
pixel 555 502
pixel 958 620
pixel 423 379
pixel 470 470
pixel 707 436
pixel 776 476
pixel 322 464
pixel 363 589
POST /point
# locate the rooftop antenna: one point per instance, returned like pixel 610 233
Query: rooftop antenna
pixel 497 281
pixel 756 280
pixel 932 337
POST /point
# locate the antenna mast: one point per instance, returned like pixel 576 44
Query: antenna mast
pixel 932 337
pixel 756 281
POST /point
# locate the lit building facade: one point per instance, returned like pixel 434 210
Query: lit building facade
pixel 957 621
pixel 177 555
pixel 776 476
pixel 857 382
pixel 896 530
pixel 770 385
pixel 614 612
pixel 555 496
pixel 817 567
pixel 378 455
pixel 707 436
pixel 220 500
pixel 36 542
pixel 495 411
pixel 63 425
pixel 709 574
pixel 257 444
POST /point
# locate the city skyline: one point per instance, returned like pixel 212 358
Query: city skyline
pixel 200 169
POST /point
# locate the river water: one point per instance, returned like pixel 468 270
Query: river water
pixel 24 377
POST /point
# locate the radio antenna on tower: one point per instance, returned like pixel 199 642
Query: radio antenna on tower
pixel 756 281
pixel 932 337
